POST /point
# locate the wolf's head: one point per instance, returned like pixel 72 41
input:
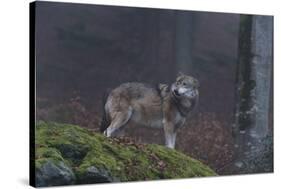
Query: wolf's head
pixel 185 86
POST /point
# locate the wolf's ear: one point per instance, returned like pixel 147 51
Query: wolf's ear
pixel 196 83
pixel 180 74
pixel 163 87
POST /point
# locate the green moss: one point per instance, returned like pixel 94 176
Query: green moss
pixel 81 149
pixel 179 165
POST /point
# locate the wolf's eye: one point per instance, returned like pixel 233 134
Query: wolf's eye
pixel 184 83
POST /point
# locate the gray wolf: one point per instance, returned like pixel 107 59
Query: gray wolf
pixel 162 106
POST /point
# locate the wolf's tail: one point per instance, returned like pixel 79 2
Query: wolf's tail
pixel 105 122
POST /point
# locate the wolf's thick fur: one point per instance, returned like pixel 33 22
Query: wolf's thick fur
pixel 105 122
pixel 157 107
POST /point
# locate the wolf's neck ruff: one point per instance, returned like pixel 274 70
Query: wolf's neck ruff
pixel 183 107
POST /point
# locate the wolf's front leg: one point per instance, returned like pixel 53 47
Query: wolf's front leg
pixel 170 140
pixel 174 136
pixel 170 135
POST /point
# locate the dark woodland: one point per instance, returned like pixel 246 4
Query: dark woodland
pixel 82 51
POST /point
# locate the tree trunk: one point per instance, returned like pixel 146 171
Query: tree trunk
pixel 244 77
pixel 262 48
pixel 254 79
pixel 254 75
pixel 183 41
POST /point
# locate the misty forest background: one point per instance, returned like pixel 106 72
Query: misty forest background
pixel 84 50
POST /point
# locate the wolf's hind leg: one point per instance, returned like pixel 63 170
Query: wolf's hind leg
pixel 119 120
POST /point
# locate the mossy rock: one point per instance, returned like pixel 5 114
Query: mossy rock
pixel 93 158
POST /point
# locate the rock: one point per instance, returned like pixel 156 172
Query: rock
pixel 74 152
pixel 51 174
pixel 67 154
pixel 94 175
pixel 239 164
